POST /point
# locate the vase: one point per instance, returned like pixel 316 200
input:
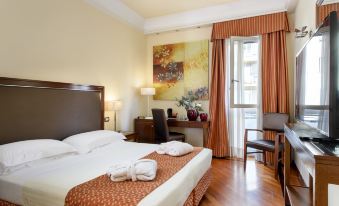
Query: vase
pixel 203 117
pixel 192 114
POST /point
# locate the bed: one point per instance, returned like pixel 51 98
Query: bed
pixel 61 110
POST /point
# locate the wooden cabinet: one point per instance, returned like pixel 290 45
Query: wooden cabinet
pixel 323 168
pixel 144 130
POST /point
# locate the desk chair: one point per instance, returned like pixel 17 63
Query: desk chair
pixel 271 122
pixel 162 133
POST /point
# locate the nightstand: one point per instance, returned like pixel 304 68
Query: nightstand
pixel 131 136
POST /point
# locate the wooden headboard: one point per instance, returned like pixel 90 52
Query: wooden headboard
pixel 31 109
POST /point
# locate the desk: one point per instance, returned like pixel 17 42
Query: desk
pixel 144 128
pixel 323 168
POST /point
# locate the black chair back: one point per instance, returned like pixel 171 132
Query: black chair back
pixel 160 125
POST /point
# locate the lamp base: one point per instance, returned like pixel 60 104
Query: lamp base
pixel 148 117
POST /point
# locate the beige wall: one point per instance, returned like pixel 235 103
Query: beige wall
pixel 71 41
pixel 305 15
pixel 194 136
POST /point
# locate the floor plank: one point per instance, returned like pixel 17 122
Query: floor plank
pixel 231 186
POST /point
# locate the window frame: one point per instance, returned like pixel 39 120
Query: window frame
pixel 232 83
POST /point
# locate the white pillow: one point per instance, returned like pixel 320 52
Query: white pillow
pixel 88 141
pixel 11 169
pixel 17 153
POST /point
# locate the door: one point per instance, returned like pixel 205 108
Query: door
pixel 244 90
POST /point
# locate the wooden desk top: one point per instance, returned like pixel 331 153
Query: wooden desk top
pixel 189 124
pixel 295 130
pixel 182 123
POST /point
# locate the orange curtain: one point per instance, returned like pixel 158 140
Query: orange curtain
pixel 275 96
pixel 218 137
pixel 273 28
pixel 325 10
pixel 274 73
pixel 251 26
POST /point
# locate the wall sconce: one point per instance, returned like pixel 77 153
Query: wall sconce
pixel 301 33
pixel 113 106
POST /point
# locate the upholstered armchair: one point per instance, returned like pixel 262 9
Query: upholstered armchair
pixel 271 122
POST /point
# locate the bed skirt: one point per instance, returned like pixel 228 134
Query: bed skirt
pixel 193 199
pixel 200 190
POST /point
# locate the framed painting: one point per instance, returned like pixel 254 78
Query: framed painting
pixel 179 69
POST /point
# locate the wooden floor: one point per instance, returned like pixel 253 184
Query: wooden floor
pixel 231 186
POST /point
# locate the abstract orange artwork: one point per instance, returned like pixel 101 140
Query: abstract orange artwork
pixel 181 68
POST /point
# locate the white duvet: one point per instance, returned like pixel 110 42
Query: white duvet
pixel 47 184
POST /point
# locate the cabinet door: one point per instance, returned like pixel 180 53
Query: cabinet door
pixel 145 131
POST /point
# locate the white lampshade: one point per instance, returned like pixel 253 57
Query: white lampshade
pixel 113 105
pixel 147 91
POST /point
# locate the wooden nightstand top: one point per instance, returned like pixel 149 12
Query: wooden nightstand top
pixel 127 133
pixel 131 136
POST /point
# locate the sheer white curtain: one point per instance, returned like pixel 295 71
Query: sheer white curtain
pixel 241 116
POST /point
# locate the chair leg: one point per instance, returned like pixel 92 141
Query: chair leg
pixel 276 154
pixel 264 157
pixel 245 157
pixel 276 163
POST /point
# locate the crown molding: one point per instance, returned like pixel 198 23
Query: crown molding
pixel 199 17
pixel 291 5
pixel 210 15
pixel 118 9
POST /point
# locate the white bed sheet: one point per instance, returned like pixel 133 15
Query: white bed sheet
pixel 49 183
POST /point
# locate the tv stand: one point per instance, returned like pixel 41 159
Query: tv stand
pixel 323 167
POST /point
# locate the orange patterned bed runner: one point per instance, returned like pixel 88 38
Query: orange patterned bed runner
pixel 103 191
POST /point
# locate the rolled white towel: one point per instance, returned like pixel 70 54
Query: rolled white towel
pixel 119 172
pixel 164 147
pixel 174 148
pixel 143 170
pixel 180 149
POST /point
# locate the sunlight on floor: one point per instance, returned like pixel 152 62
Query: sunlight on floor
pixel 231 186
pixel 251 176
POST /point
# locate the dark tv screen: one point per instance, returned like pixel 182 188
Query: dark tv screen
pixel 313 81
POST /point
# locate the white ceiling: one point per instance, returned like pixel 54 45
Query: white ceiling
pixel 153 16
pixel 156 8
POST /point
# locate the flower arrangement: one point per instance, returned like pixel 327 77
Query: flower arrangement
pixel 188 102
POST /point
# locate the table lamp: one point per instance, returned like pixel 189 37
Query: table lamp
pixel 113 106
pixel 147 92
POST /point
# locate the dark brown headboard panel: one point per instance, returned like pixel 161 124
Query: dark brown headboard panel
pixel 32 109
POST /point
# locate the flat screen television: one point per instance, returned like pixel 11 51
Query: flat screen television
pixel 317 81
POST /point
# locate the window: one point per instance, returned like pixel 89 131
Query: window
pixel 244 89
pixel 244 71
